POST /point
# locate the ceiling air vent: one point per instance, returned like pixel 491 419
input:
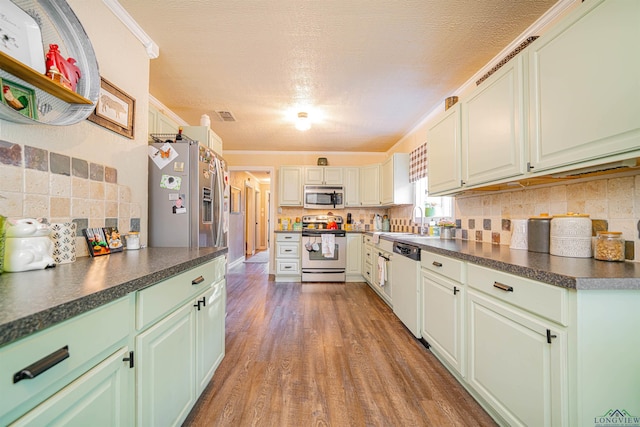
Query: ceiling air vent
pixel 226 116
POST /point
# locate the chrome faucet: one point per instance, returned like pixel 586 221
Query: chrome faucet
pixel 421 218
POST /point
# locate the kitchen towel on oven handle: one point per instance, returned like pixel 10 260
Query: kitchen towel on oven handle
pixel 328 245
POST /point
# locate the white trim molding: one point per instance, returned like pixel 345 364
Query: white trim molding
pixel 151 47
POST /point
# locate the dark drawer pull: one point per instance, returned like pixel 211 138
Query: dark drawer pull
pixel 503 287
pixel 42 365
pixel 437 264
pixel 197 280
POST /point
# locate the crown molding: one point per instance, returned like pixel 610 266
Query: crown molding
pixel 306 153
pixel 152 49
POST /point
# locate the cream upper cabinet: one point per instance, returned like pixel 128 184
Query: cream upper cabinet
pixel 395 188
pixel 352 186
pixel 444 148
pixel 585 87
pixel 323 175
pixel 370 185
pixel 290 186
pixel 160 123
pixel 205 136
pixel 493 127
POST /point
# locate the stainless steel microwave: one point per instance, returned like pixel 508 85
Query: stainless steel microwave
pixel 323 196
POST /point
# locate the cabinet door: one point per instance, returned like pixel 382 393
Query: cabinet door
pixel 314 175
pixel 444 149
pixel 333 176
pixel 100 397
pixel 584 86
pixel 166 373
pixel 386 181
pixel 442 318
pixel 513 366
pixel 290 187
pixel 369 185
pixel 493 133
pixel 210 321
pixel 351 187
pixel 354 255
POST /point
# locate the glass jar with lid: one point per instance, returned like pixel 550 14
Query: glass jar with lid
pixel 609 246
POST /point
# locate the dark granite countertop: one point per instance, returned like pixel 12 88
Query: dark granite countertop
pixel 34 300
pixel 571 273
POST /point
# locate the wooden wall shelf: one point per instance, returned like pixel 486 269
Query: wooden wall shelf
pixel 40 81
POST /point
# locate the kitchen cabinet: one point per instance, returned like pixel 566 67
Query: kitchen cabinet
pixel 101 397
pixel 493 127
pixel 517 347
pixel 319 175
pixel 351 187
pixel 288 260
pixel 444 147
pixel 354 257
pixel 290 186
pixel 395 188
pixel 583 97
pixel 443 302
pixel 83 348
pixel 161 123
pixel 205 136
pixel 370 185
pixel 374 253
pixel 180 320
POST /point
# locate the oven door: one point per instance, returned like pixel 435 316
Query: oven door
pixel 315 259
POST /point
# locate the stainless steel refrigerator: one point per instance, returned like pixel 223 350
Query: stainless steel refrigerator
pixel 188 195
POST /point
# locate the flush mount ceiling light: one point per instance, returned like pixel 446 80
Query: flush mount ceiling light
pixel 303 122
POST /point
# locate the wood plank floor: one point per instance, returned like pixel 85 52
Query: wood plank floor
pixel 324 355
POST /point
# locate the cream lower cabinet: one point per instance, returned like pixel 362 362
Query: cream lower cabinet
pixel 584 87
pixel 101 397
pixel 443 302
pixel 74 373
pixel 181 343
pixel 288 261
pixel 354 257
pixel 517 355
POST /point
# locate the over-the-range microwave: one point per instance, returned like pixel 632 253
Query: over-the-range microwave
pixel 323 196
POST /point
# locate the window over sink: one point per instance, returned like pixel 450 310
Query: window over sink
pixel 431 207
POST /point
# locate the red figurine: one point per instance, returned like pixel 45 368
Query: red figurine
pixel 65 72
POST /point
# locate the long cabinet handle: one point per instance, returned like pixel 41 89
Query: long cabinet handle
pixel 47 362
pixel 503 287
pixel 436 264
pixel 197 280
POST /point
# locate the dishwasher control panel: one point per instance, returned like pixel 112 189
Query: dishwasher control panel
pixel 404 249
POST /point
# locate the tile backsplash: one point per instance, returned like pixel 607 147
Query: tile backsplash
pixel 38 183
pixel 613 203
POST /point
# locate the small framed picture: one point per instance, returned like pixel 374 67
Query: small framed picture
pixel 114 110
pixel 20 98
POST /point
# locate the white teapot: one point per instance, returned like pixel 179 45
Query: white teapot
pixel 27 246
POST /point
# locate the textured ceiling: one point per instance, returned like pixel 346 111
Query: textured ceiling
pixel 366 71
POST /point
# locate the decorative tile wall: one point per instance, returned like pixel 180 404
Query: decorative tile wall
pixel 612 203
pixel 38 183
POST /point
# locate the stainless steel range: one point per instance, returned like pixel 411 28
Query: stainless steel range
pixel 324 249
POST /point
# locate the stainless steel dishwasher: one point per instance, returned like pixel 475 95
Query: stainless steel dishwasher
pixel 405 270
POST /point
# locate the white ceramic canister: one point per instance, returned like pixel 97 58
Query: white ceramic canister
pixel 133 240
pixel 519 234
pixel 570 236
pixel 63 236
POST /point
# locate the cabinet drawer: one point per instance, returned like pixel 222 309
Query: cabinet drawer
pixel 367 254
pixel 367 239
pixel 288 237
pixel 544 300
pixel 155 302
pixel 289 266
pixel 287 250
pixel 89 338
pixel 452 268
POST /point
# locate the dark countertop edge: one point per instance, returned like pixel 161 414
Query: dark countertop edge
pixel 538 274
pixel 19 328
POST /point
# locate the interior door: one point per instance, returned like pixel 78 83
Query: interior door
pixel 250 229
